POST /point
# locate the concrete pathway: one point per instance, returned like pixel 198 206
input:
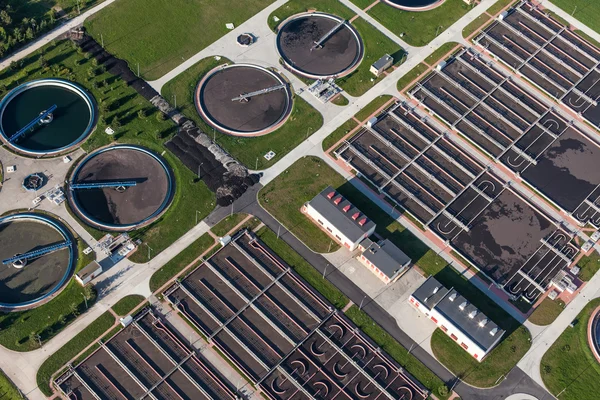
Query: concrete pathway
pixel 53 34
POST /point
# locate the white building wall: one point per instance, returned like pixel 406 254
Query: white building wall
pixel 332 231
pixel 456 334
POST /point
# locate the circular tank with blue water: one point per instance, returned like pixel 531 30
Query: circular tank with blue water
pixel 46 117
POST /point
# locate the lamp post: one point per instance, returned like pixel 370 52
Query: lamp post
pixel 149 248
pixel 361 302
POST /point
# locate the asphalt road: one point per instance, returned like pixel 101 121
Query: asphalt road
pixel 515 382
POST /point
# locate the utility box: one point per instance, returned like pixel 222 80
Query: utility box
pixel 382 64
pixel 88 273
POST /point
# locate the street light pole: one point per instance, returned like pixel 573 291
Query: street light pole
pixel 325 270
pixel 85 299
pixel 361 302
pixel 149 248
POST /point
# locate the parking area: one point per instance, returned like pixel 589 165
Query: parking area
pixel 510 124
pixel 146 360
pixel 408 158
pixel 549 54
pixel 281 333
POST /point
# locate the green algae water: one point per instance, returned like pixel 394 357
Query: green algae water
pixel 70 121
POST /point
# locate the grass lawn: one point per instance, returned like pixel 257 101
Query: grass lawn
pixel 486 373
pixel 159 35
pixel 589 266
pixel 180 261
pixel 57 360
pixel 547 312
pixel 284 196
pixel 376 46
pixel 127 303
pixel 372 107
pixel 229 222
pixel 340 100
pixel 338 134
pixel 118 101
pixel 475 25
pixel 419 28
pixel 410 76
pixel 376 43
pixel 347 126
pixel 569 362
pixel 303 121
pixel 499 5
pixel 8 390
pixel 440 52
pixel 398 352
pixel 303 268
pixel 586 11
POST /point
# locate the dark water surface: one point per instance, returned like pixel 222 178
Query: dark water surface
pixel 71 118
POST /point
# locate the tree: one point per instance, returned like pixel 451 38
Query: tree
pixel 161 116
pixel 35 339
pixel 29 34
pixel 116 123
pixel 5 18
pixel 43 62
pixel 92 72
pixel 141 114
pixel 74 309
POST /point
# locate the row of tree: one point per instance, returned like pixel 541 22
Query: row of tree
pixel 14 34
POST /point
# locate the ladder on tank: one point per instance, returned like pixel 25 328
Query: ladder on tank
pixel 31 124
pixel 246 96
pixel 100 185
pixel 319 43
pixel 37 253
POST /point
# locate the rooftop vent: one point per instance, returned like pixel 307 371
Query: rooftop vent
pixel 436 289
pixel 338 200
pixel 483 322
pixel 362 221
pixel 463 306
pixel 355 216
pixel 330 195
pixel 472 314
pixel 346 208
pixel 494 331
pixel 452 297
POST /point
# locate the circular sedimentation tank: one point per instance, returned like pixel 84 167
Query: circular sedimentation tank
pixel 26 284
pixel 414 5
pixel 319 46
pixel 218 99
pixel 121 208
pixel 27 108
